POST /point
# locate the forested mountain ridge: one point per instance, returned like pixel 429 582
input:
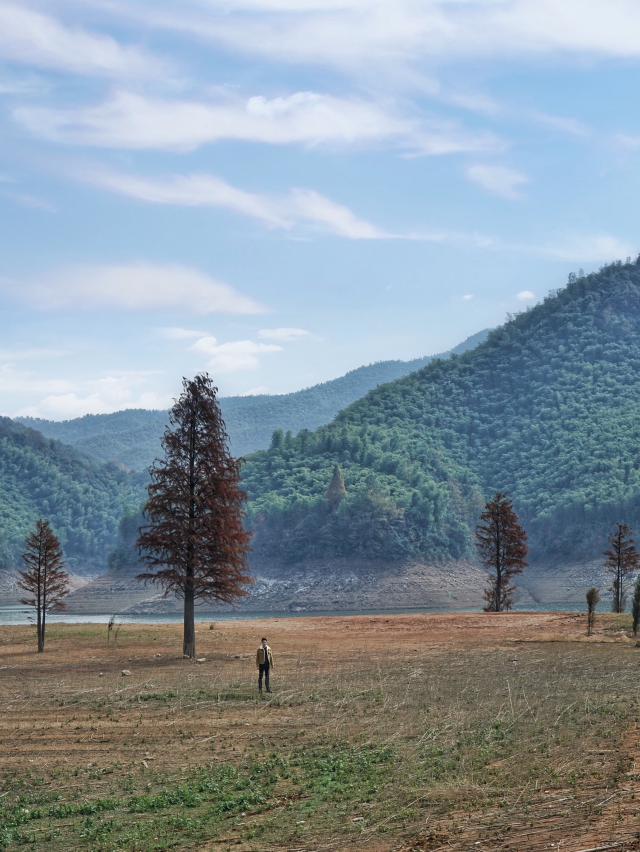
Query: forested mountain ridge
pixel 133 436
pixel 547 408
pixel 83 499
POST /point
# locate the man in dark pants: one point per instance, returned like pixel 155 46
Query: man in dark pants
pixel 264 662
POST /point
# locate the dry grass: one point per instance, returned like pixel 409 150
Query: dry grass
pixel 412 732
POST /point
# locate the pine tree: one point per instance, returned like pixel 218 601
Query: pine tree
pixel 194 539
pixel 44 579
pixel 336 490
pixel 593 599
pixel 622 559
pixel 501 544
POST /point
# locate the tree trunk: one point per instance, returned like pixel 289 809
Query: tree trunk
pixel 498 571
pixel 40 614
pixel 44 618
pixel 189 635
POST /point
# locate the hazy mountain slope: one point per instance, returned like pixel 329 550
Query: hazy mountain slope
pixel 82 498
pixel 133 436
pixel 548 408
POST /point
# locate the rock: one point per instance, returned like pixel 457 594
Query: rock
pixel 201 660
pixel 101 674
pixel 125 673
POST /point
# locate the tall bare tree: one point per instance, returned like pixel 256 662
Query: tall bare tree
pixel 45 578
pixel 194 539
pixel 502 547
pixel 622 559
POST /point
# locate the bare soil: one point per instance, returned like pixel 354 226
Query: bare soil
pixel 399 732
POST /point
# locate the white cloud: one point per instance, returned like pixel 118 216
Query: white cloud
pixel 134 287
pixel 233 356
pixel 497 180
pixel 259 391
pixel 283 334
pixel 132 121
pixel 27 36
pixel 467 297
pixel 198 190
pixel 177 333
pixel 385 34
pixel 526 295
pixel 205 190
pixel 113 392
pixel 12 380
pixel 338 220
pixel 591 248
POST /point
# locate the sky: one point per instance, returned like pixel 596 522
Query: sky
pixel 279 191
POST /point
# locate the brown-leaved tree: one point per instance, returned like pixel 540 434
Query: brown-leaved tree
pixel 622 559
pixel 501 544
pixel 194 540
pixel 45 578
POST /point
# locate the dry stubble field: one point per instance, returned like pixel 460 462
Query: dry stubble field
pixel 399 732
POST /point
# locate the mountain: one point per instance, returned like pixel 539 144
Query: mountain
pixel 546 408
pixel 132 437
pixel 83 499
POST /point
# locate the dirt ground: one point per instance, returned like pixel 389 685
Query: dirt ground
pixel 96 714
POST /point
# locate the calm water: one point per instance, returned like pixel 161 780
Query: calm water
pixel 22 615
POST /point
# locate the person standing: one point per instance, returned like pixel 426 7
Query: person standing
pixel 264 662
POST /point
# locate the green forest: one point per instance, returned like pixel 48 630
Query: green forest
pixel 547 409
pixel 133 437
pixel 82 498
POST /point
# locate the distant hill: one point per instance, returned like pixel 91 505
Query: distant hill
pixel 132 437
pixel 547 408
pixel 84 499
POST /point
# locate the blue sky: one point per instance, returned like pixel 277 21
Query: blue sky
pixel 279 191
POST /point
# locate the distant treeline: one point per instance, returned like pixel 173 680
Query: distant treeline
pixel 132 437
pixel 547 409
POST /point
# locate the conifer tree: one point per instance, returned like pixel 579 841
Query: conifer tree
pixel 593 599
pixel 622 559
pixel 45 578
pixel 336 490
pixel 194 539
pixel 502 547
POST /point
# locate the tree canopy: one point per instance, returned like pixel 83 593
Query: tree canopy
pixel 547 409
pixel 193 540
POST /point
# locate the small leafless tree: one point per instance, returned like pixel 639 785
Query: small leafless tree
pixel 593 599
pixel 45 578
pixel 501 544
pixel 194 540
pixel 622 559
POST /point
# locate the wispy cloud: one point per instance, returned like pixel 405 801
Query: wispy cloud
pixel 205 190
pixel 498 180
pixel 177 333
pixel 133 287
pixel 374 37
pixel 283 334
pixel 132 121
pixel 32 38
